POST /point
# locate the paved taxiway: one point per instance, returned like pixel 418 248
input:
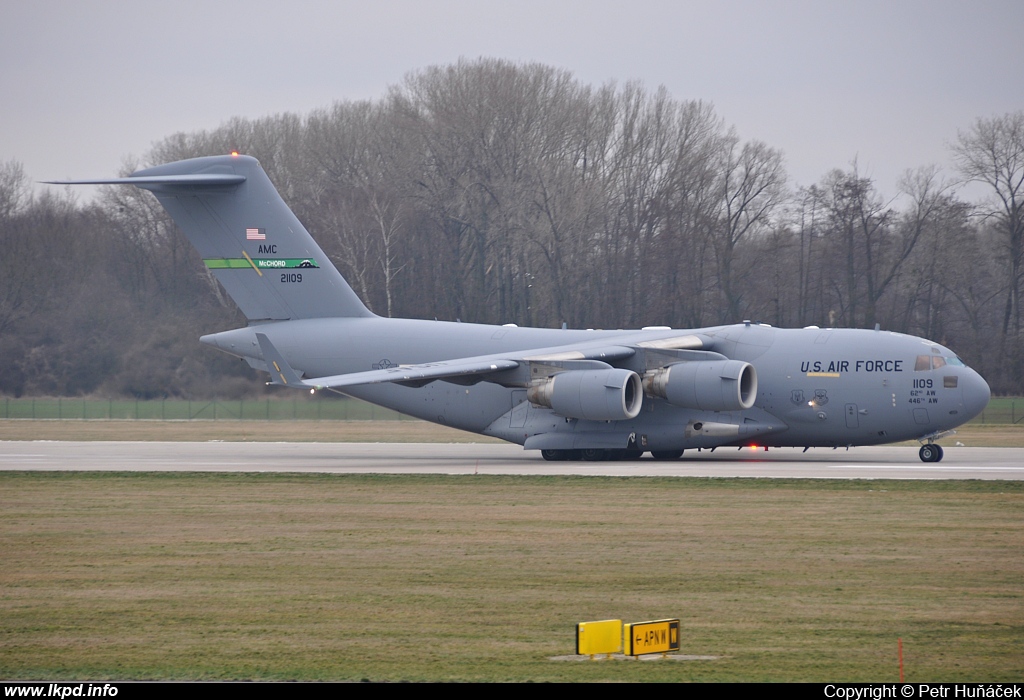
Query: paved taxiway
pixel 416 458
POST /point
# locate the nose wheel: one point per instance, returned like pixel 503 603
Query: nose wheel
pixel 930 453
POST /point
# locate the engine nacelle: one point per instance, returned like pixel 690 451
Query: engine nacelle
pixel 599 394
pixel 714 385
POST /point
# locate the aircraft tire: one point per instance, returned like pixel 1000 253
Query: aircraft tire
pixel 666 455
pixel 930 453
pixel 592 454
pixel 554 455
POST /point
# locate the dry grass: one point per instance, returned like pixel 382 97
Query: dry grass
pixel 236 431
pixel 339 431
pixel 483 578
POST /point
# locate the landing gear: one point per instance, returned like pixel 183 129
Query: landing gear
pixel 560 455
pixel 591 455
pixel 930 453
pixel 666 455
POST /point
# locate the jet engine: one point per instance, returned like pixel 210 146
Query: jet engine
pixel 708 385
pixel 602 394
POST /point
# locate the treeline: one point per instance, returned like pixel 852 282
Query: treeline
pixel 496 192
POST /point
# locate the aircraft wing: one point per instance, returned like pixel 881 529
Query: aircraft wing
pixel 460 368
pixel 413 374
pixel 465 368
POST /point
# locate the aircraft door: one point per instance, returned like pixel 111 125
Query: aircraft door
pixel 520 407
pixel 852 419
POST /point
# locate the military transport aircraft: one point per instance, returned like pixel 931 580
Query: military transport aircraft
pixel 590 394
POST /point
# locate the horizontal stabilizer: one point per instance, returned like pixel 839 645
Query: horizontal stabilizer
pixel 190 179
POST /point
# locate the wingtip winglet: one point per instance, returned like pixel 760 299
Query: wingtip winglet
pixel 281 372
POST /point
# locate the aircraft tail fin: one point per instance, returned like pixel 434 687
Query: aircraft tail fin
pixel 248 237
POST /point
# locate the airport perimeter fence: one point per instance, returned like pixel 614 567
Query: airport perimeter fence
pixel 1000 411
pixel 175 409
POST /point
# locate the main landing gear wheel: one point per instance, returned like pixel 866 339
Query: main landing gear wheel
pixel 560 454
pixel 930 453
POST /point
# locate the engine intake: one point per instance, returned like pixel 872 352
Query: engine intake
pixel 603 394
pixel 713 385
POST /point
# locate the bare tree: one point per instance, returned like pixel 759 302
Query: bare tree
pixel 992 152
pixel 750 187
pixel 17 296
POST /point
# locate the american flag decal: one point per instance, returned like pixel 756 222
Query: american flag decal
pixel 255 234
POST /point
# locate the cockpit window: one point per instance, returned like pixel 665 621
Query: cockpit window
pixel 926 362
pixel 955 361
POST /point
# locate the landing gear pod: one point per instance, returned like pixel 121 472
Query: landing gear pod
pixel 602 394
pixel 720 385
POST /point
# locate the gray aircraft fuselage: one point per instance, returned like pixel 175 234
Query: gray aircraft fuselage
pixel 816 387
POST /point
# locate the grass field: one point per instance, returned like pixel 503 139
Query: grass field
pixel 279 576
pixel 1000 410
pixel 300 407
pixel 238 431
pixel 318 420
pixel 970 435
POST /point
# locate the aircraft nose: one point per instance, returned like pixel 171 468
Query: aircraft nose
pixel 976 394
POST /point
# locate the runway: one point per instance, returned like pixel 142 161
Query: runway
pixel 463 458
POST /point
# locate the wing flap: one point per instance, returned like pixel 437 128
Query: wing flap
pixel 453 369
pixel 283 374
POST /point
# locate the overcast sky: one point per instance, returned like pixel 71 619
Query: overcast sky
pixel 86 84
